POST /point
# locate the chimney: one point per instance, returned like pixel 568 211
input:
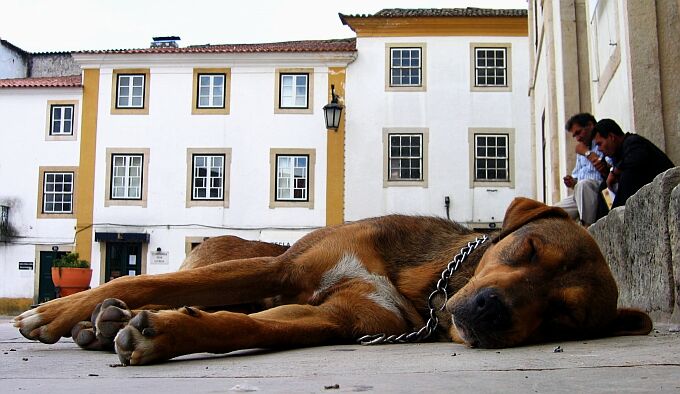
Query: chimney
pixel 165 42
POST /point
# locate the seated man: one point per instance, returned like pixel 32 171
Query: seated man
pixel 636 162
pixel 589 172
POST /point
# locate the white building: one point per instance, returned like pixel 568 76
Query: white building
pixel 438 114
pixel 171 145
pixel 39 159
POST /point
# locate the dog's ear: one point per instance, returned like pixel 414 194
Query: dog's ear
pixel 524 210
pixel 631 322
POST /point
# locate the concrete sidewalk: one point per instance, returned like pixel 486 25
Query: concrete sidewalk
pixel 625 364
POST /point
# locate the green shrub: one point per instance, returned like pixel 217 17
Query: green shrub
pixel 70 260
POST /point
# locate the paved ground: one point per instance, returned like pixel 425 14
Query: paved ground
pixel 626 364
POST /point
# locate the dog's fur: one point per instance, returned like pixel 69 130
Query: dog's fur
pixel 541 278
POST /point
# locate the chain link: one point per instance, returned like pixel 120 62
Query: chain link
pixel 441 289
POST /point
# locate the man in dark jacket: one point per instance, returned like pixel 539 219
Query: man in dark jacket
pixel 636 161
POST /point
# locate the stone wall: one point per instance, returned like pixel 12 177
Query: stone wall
pixel 641 242
pixel 52 65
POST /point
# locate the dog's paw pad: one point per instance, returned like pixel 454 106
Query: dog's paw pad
pixel 110 317
pixel 134 343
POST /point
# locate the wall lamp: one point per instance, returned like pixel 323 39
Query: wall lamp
pixel 332 111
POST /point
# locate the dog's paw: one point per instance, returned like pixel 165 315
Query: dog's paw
pixel 50 321
pixel 146 339
pixel 107 319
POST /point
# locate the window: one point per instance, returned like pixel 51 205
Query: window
pixel 61 123
pixel 405 67
pixel 294 90
pixel 208 179
pixel 491 67
pixel 126 176
pixel 492 157
pixel 208 176
pixel 292 177
pixel 61 120
pixel 57 194
pixel 606 57
pixel 130 91
pixel 4 220
pixel 211 91
pixel 405 157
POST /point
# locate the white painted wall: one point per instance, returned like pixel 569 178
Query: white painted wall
pixel 23 149
pixel 11 64
pixel 448 109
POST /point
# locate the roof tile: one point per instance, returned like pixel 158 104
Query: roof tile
pixel 338 45
pixel 440 12
pixel 43 82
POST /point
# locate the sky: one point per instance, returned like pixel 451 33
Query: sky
pixel 70 25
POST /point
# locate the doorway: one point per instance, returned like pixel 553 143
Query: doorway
pixel 45 285
pixel 123 259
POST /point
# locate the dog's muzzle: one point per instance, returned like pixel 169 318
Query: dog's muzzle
pixel 482 318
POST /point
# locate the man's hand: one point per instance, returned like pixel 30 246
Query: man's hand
pixel 581 149
pixel 569 181
pixel 611 181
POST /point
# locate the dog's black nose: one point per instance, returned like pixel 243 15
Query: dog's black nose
pixel 482 317
pixel 487 308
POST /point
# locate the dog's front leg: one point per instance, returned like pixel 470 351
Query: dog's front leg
pixel 230 282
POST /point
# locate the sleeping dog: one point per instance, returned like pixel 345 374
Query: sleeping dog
pixel 541 278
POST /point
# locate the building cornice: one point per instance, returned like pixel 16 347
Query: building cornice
pixel 439 26
pixel 326 59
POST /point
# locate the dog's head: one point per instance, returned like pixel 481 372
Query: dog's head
pixel 542 279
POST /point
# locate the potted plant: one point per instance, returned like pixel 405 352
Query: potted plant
pixel 70 274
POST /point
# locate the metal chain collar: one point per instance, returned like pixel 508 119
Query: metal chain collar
pixel 440 289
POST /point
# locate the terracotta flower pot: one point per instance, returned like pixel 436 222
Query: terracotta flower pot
pixel 69 281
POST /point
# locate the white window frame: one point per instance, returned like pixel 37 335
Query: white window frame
pixel 58 192
pixel 290 101
pixel 127 177
pixel 605 42
pixel 276 199
pixel 223 200
pixel 476 68
pixel 59 133
pixel 208 179
pixel 297 173
pixel 109 200
pixel 508 134
pixel 408 68
pixel 131 93
pixel 58 124
pixel 390 47
pixel 211 86
pixel 495 80
pixel 402 160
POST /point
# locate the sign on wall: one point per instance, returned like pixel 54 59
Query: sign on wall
pixel 160 258
pixel 26 265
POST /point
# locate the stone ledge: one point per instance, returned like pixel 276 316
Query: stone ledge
pixel 641 244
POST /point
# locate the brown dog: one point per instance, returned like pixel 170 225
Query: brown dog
pixel 542 278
